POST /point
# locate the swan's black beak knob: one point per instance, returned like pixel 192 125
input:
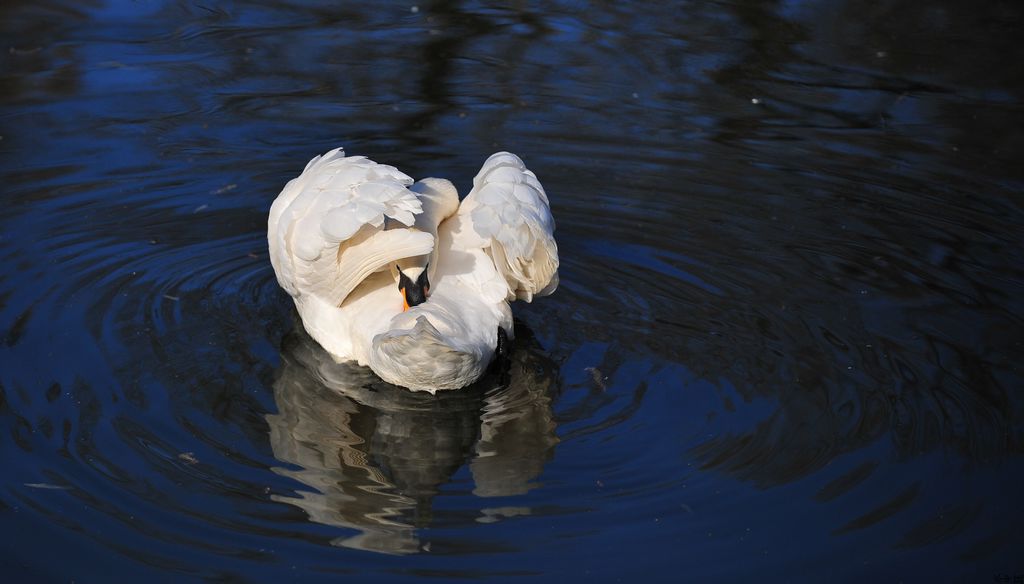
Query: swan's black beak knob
pixel 413 293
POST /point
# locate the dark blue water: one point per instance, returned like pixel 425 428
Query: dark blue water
pixel 787 345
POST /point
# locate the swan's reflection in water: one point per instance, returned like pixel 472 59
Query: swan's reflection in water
pixel 375 455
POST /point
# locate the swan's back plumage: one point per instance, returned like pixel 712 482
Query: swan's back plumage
pixel 509 211
pixel 327 227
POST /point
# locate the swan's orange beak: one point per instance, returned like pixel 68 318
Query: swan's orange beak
pixel 405 300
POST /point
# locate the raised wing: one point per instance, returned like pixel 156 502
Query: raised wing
pixel 508 210
pixel 327 228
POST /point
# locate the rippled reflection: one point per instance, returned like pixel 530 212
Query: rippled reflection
pixel 377 455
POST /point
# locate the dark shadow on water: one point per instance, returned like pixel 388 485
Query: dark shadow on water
pixel 376 455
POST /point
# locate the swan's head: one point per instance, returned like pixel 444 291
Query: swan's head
pixel 414 285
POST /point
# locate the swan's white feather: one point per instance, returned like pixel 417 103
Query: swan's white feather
pixel 509 212
pixel 340 200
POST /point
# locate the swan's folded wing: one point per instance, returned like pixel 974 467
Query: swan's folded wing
pixel 508 209
pixel 326 228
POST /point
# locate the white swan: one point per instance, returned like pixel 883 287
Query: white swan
pixel 401 277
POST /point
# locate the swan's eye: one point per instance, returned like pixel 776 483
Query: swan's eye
pixel 423 283
pixel 404 283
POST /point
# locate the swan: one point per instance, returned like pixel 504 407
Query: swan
pixel 399 276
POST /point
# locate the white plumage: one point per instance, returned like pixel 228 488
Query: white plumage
pixel 338 231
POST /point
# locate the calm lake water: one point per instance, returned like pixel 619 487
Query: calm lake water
pixel 787 344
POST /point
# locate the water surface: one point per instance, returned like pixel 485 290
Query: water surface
pixel 786 345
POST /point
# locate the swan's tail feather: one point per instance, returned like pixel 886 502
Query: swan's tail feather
pixel 422 353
